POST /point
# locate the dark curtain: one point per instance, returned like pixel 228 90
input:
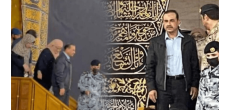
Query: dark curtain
pixel 82 23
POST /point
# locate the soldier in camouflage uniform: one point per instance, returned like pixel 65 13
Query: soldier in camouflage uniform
pixel 210 19
pixel 208 97
pixel 200 36
pixel 90 85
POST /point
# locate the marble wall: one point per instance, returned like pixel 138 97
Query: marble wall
pixel 189 12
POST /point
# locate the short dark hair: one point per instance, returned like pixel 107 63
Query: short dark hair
pixel 32 32
pixel 211 10
pixel 95 62
pixel 68 46
pixel 172 11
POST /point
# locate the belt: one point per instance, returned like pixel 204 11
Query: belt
pixel 177 77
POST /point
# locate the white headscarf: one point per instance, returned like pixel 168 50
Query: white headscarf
pixel 21 49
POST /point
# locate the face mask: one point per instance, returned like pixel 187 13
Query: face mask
pixel 213 62
pixel 95 71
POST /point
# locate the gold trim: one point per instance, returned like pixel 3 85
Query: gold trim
pixel 200 11
pixel 212 49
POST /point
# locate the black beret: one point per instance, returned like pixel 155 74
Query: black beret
pixel 208 7
pixel 95 62
pixel 211 47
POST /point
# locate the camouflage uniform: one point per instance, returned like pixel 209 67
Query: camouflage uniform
pixel 208 97
pixel 200 50
pixel 94 84
pixel 213 36
pixel 200 36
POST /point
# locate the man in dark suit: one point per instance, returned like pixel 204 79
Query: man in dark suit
pixel 172 68
pixel 62 74
pixel 45 63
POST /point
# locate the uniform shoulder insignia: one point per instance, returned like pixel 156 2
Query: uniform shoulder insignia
pixel 205 69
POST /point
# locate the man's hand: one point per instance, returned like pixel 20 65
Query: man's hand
pixel 30 72
pixel 39 74
pixel 26 68
pixel 153 95
pixel 62 91
pixel 193 92
pixel 87 92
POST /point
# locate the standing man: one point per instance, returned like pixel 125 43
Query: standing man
pixel 208 97
pixel 210 19
pixel 44 66
pixel 172 67
pixel 90 85
pixel 62 74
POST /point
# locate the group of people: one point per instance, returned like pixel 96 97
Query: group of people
pixel 54 68
pixel 179 69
